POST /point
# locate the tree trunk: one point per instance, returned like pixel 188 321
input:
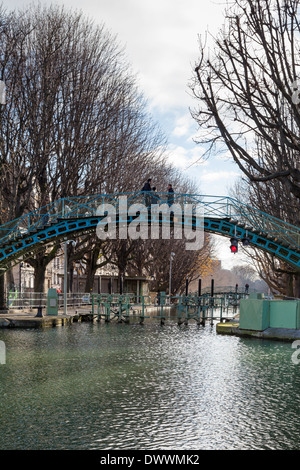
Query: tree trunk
pixel 39 276
pixel 297 286
pixel 10 279
pixel 91 270
pixel 3 305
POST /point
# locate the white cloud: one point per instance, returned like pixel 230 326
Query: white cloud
pixel 161 40
pixel 214 176
pixel 185 126
pixel 183 157
pixel 182 128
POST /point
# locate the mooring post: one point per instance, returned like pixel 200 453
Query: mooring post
pixel 199 310
pixel 106 318
pixel 212 315
pixel 107 308
pixel 186 301
pixel 199 288
pixel 179 309
pixel 120 308
pixel 125 308
pixel 162 301
pixel 40 312
pixel 98 307
pixel 199 302
pixel 142 318
pixel 236 298
pixel 93 304
pixel 212 301
pixel 203 313
pixel 212 288
pixel 221 307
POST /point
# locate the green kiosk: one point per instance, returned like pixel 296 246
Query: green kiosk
pixel 52 302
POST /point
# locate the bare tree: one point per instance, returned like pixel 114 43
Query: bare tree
pixel 272 199
pixel 245 87
pixel 186 264
pixel 75 122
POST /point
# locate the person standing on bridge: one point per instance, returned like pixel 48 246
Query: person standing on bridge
pixel 154 197
pixel 170 195
pixel 147 188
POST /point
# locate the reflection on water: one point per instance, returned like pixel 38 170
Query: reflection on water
pixel 111 386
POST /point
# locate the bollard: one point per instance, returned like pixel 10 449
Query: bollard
pixel 162 302
pixel 93 304
pixel 212 296
pixel 199 288
pixel 39 312
pixel 203 314
pixel 211 315
pixel 98 308
pixel 212 288
pixel 221 306
pixel 120 301
pixel 186 300
pixel 142 317
pixel 186 287
pixel 199 311
pixel 107 308
pixel 179 310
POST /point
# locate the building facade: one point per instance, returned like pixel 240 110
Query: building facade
pixel 106 280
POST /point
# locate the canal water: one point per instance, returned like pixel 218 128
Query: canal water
pixel 119 386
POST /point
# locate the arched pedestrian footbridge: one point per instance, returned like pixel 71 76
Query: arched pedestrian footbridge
pixel 71 217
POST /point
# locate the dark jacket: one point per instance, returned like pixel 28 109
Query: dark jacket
pixel 146 187
pixel 171 196
pixel 154 198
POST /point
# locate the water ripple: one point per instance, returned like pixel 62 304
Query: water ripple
pixel 131 387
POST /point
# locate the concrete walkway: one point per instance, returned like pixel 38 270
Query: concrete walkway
pixel 30 319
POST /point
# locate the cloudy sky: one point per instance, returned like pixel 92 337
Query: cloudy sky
pixel 161 43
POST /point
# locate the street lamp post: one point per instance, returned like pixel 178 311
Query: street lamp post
pixel 170 278
pixel 66 274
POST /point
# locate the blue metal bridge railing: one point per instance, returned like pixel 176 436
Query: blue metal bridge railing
pixel 213 207
pixel 77 215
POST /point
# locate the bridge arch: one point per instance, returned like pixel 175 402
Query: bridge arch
pixel 69 217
